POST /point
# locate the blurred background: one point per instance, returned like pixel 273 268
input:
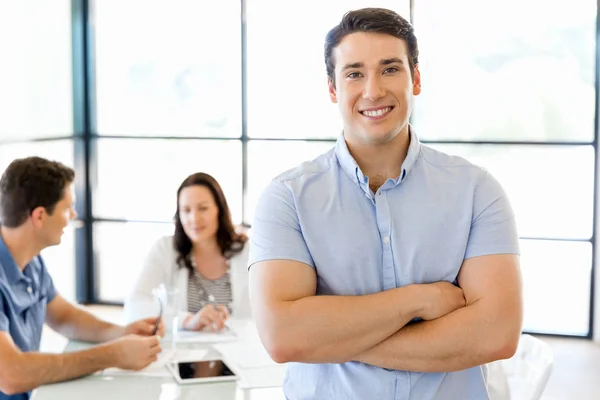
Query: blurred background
pixel 136 95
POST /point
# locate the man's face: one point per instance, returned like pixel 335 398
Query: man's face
pixel 374 88
pixel 51 226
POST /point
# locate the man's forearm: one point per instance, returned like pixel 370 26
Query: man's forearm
pixel 32 370
pixel 82 325
pixel 462 339
pixel 334 329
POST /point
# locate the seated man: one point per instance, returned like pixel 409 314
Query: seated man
pixel 36 204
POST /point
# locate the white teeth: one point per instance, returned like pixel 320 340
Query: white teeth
pixel 377 113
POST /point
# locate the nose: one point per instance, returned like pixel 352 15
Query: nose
pixel 196 217
pixel 73 213
pixel 373 90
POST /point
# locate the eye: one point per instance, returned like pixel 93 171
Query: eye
pixel 391 70
pixel 353 75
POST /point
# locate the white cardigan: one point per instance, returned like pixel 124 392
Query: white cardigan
pixel 160 266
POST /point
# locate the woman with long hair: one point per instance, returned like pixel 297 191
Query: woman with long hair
pixel 205 260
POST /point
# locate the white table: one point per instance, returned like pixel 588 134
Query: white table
pixel 131 385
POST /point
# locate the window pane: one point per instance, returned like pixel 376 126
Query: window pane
pixel 177 72
pixel 556 286
pixel 60 261
pixel 57 150
pixel 36 80
pixel 551 188
pixel 281 156
pixel 495 77
pixel 138 178
pixel 289 65
pixel 119 250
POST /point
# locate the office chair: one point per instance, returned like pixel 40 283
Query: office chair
pixel 526 373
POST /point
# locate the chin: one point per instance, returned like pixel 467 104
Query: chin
pixel 54 243
pixel 199 238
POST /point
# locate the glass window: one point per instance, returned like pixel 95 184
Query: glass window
pixel 120 249
pixel 57 150
pixel 177 71
pixel 60 261
pixel 495 77
pixel 551 188
pixel 36 78
pixel 138 178
pixel 287 80
pixel 550 268
pixel 281 156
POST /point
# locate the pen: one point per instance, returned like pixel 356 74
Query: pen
pixel 213 302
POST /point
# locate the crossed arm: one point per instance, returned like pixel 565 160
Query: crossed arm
pixel 296 325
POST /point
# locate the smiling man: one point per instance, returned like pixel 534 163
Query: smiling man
pixel 36 205
pixel 384 269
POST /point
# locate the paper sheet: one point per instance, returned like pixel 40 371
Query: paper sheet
pixel 204 337
pixel 262 377
pixel 246 354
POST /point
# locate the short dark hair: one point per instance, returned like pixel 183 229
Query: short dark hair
pixel 28 183
pixel 374 20
pixel 230 241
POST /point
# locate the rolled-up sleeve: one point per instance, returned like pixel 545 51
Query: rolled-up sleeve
pixel 276 231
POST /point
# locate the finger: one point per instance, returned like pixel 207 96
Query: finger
pixel 141 327
pixel 149 320
pixel 209 323
pixel 220 326
pixel 147 328
pixel 224 312
pixel 154 345
pixel 161 330
pixel 152 341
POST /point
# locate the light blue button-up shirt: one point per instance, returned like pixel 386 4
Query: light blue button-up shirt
pixel 418 228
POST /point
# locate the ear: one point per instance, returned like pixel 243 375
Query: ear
pixel 37 216
pixel 416 80
pixel 332 92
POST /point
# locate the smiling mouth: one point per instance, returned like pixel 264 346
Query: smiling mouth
pixel 377 113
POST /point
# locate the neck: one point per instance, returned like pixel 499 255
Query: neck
pixel 20 244
pixel 381 161
pixel 206 248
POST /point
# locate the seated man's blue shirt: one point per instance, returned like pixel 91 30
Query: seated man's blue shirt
pixel 418 228
pixel 23 299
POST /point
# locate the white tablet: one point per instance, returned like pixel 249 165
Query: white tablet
pixel 213 370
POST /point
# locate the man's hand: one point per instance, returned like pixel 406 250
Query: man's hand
pixel 134 352
pixel 145 327
pixel 209 316
pixel 441 298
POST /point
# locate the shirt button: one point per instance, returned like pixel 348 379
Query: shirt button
pixel 29 290
pixel 386 239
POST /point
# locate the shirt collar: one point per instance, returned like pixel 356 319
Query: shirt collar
pixel 9 266
pixel 351 168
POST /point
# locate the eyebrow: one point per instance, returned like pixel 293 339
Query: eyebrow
pixel 385 61
pixel 388 61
